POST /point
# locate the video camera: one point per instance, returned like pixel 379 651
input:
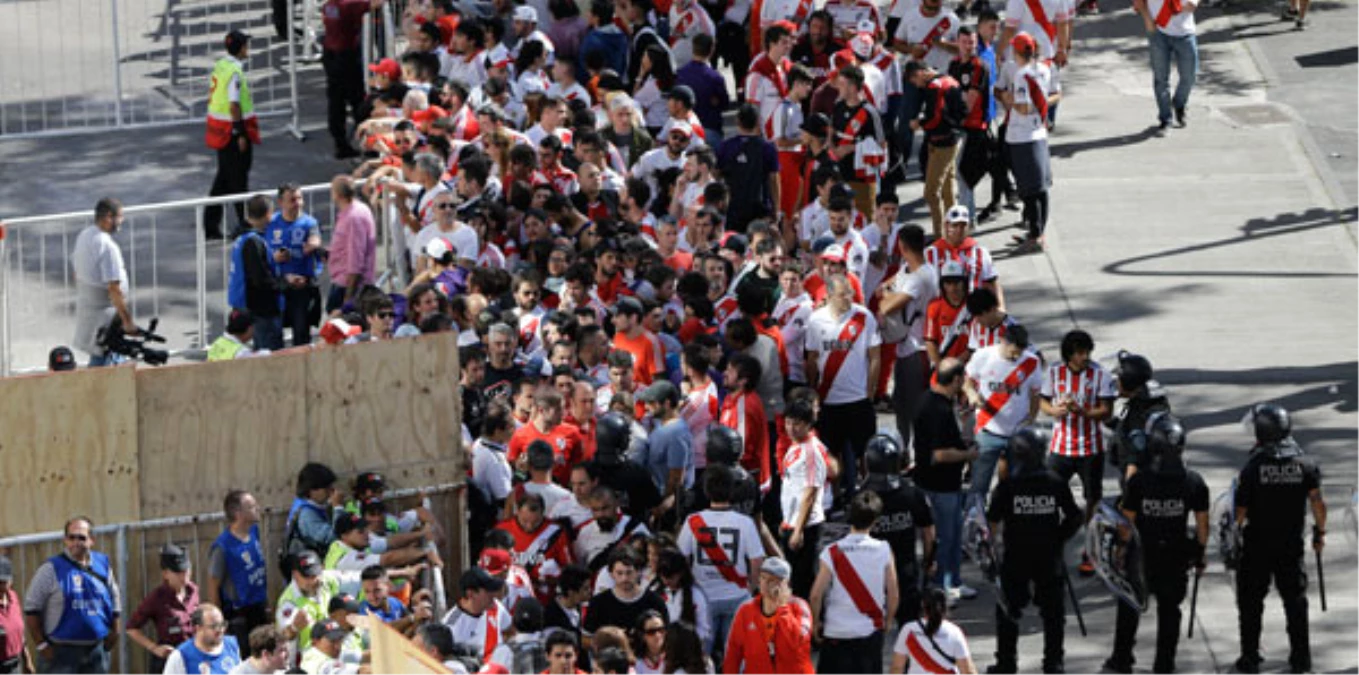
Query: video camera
pixel 112 338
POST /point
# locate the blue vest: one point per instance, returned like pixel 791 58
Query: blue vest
pixel 393 611
pixel 292 236
pixel 195 659
pixel 245 566
pixel 236 276
pixel 88 611
pixel 988 54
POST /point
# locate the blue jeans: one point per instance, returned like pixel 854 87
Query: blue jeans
pixel 720 613
pixel 712 136
pixel 990 447
pixel 268 333
pixel 947 508
pixel 76 659
pixel 1184 50
pixel 107 359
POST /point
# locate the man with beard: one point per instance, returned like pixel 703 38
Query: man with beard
pixel 609 530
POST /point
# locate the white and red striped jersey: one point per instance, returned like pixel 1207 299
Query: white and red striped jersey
pixel 1038 18
pixel 699 410
pixel 869 560
pixel 1075 435
pixel 767 85
pixel 918 29
pixel 848 13
pixel 805 464
pixel 841 345
pixel 480 634
pixel 979 336
pixel 974 258
pixel 530 323
pixel 938 653
pixel 687 19
pixel 722 546
pixel 793 315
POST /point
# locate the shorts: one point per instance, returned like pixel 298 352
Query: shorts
pixel 1090 468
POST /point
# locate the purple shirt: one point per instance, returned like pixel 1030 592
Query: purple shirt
pixel 710 92
pixel 353 245
pixel 170 614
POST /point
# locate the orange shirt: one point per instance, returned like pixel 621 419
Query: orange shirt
pixel 781 643
pixel 648 360
pixel 942 327
pixel 680 261
pixel 568 447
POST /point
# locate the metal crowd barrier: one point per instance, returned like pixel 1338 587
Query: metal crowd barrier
pixel 135 553
pixel 97 65
pixel 174 272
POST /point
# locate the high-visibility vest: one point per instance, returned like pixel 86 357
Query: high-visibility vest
pixel 224 348
pixel 219 105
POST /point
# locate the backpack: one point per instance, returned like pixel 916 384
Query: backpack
pixel 295 543
pixel 528 656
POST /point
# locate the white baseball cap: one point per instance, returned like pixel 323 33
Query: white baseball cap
pixel 952 269
pixel 438 247
pixel 958 214
pixel 526 13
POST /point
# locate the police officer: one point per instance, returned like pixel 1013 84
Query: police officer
pixel 1158 500
pixel 1141 397
pixel 1272 491
pixel 71 609
pixel 724 446
pixel 613 435
pixel 905 514
pixel 1033 514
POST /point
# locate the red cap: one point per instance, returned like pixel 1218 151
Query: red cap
pixel 336 331
pixel 429 114
pixel 388 67
pixel 1024 42
pixel 786 25
pixel 494 560
pixel 836 253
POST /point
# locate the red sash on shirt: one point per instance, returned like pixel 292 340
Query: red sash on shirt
pixel 997 400
pixel 853 328
pixel 854 586
pixel 955 331
pixel 1038 96
pixel 938 30
pixel 492 630
pixel 1040 17
pixel 923 658
pixel 1169 8
pixel 703 535
pixel 856 123
pixel 765 66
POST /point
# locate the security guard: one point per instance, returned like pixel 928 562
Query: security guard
pixel 232 130
pixel 1158 500
pixel 72 605
pixel 613 435
pixel 723 446
pixel 1272 491
pixel 233 344
pixel 905 514
pixel 1141 397
pixel 1034 513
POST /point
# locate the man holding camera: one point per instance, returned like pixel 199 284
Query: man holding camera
pixel 101 282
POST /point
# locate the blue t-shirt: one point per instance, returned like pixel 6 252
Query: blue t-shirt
pixel 292 236
pixel 670 447
pixel 392 612
pixel 987 53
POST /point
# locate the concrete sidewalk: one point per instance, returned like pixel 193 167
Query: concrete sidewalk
pixel 1217 252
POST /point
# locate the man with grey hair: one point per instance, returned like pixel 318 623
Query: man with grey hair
pixel 415 201
pixel 843 351
pixel 460 237
pixel 502 373
pixel 101 281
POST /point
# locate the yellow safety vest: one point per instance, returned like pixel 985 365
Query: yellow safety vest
pixel 219 105
pixel 224 348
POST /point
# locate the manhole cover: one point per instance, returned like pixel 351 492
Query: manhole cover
pixel 1256 114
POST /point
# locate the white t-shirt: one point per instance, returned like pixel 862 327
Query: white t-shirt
pixel 1021 18
pixel 830 336
pixel 550 492
pixel 1026 128
pixel 652 162
pixel 923 286
pixel 989 370
pixel 923 656
pixel 490 469
pixel 805 464
pixel 571 509
pixel 856 252
pixel 812 222
pixel 874 240
pixel 96 262
pixel 793 315
pixel 871 559
pixel 917 28
pixel 699 410
pixel 738 540
pixel 481 634
pixel 591 541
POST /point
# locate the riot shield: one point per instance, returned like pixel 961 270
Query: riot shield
pixel 1118 560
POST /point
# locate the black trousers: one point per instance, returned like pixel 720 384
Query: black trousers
pixel 344 91
pixel 803 560
pixel 1000 168
pixel 1283 564
pixel 1040 581
pixel 845 429
pixel 859 655
pixel 301 311
pixel 233 176
pixel 910 375
pixel 1166 581
pixel 732 48
pixel 240 621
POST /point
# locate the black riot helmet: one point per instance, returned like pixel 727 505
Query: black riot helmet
pixel 1271 423
pixel 1133 372
pixel 723 445
pixel 884 458
pixel 613 435
pixel 1165 442
pixel 1028 451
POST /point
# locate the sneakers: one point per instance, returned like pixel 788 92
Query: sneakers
pixel 964 591
pixel 1181 118
pixel 1300 24
pixel 1247 665
pixel 1288 14
pixel 1087 567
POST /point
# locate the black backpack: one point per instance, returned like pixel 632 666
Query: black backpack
pixel 295 543
pixel 748 180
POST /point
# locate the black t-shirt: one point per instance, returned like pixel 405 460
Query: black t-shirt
pixel 1163 503
pixel 767 287
pixel 1274 493
pixel 1038 513
pixel 904 508
pixel 498 382
pixel 633 483
pixel 936 427
pixel 473 409
pixel 847 123
pixel 607 610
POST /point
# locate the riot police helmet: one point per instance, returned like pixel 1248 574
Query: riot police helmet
pixel 883 455
pixel 724 446
pixel 1028 451
pixel 1271 423
pixel 1134 371
pixel 613 434
pixel 1165 442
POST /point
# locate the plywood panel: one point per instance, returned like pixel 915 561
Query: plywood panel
pixel 69 446
pixel 390 406
pixel 207 428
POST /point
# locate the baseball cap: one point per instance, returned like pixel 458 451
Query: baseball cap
pixel 660 390
pixel 821 243
pixel 816 124
pixel 958 214
pixel 309 564
pixel 833 253
pixel 239 321
pixel 329 629
pixel 60 359
pixel 429 114
pixel 786 25
pixel 440 248
pixel 344 601
pixel 777 567
pixel 1023 42
pixel 348 522
pixel 337 330
pixel 683 94
pixel 734 242
pixel 526 13
pixel 6 569
pixel 388 67
pixel 682 129
pixel 499 57
pixel 952 269
pixel 173 558
pixel 479 579
pixel 494 560
pixel 369 480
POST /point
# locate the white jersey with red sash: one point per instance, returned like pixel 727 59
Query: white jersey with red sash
pixel 1075 435
pixel 805 464
pixel 767 84
pixel 479 634
pixel 720 545
pixel 841 345
pixel 1006 388
pixel 974 258
pixel 795 11
pixel 857 598
pixel 1039 18
pixel 793 315
pixel 687 19
pixel 724 311
pixel 938 653
pixel 1170 17
pixel 529 323
pixel 918 29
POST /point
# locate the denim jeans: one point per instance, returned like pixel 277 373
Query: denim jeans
pixel 947 508
pixel 911 102
pixel 268 333
pixel 107 359
pixel 720 613
pixel 990 447
pixel 1184 51
pixel 76 659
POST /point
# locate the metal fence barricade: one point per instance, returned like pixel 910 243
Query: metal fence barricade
pixel 93 65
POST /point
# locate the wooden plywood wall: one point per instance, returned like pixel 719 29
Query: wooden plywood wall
pixel 69 446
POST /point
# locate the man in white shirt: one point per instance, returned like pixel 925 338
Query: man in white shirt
pixel 794 312
pixel 1003 385
pixel 806 468
pixel 723 548
pixel 101 281
pixel 491 471
pixel 608 527
pixel 478 621
pixel 856 585
pixel 904 302
pixel 840 215
pixel 1171 34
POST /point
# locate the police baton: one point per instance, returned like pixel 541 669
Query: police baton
pixel 1321 576
pixel 1076 604
pixel 1194 602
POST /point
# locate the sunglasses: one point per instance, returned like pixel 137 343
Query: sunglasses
pixel 655 631
pixel 445 207
pixel 77 537
pixel 386 315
